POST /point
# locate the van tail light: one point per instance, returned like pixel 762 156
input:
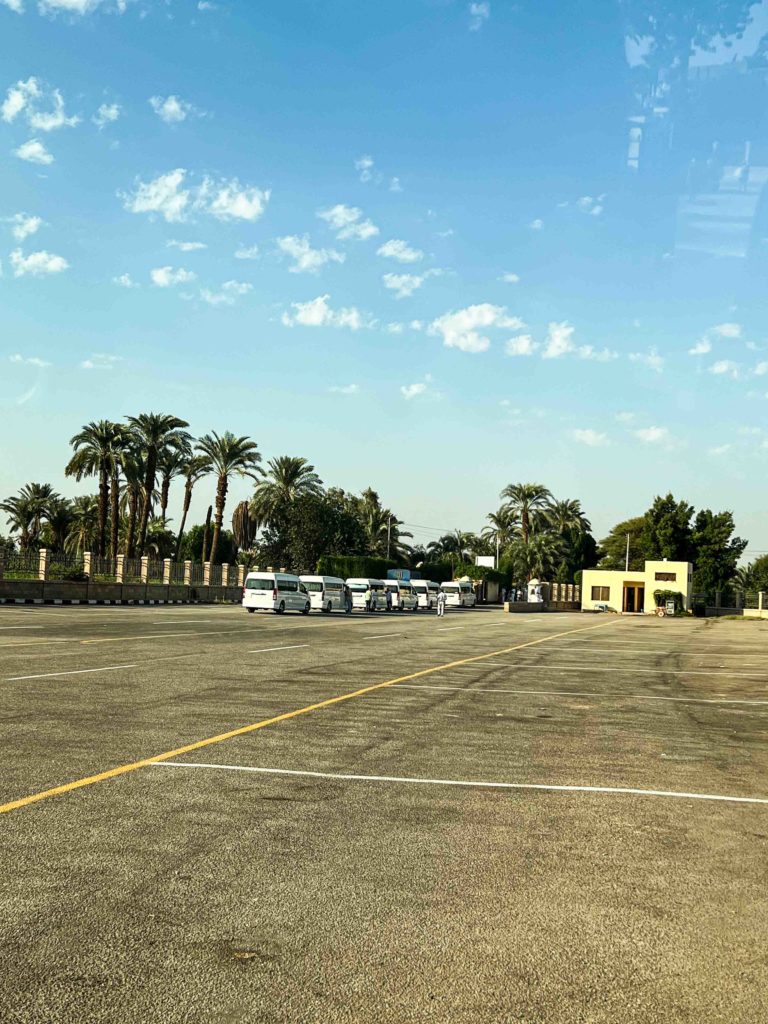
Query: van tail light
pixel 244 592
pixel 274 594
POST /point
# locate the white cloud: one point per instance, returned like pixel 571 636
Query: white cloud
pixel 167 277
pixel 394 185
pixel 702 346
pixel 404 285
pixel 171 109
pixel 590 205
pixel 559 340
pixel 624 417
pixel 15 5
pixel 761 369
pixel 43 110
pixel 399 250
pixel 107 113
pixel 364 165
pixel 100 361
pixel 345 389
pixel 651 359
pixel 125 281
pixel 409 391
pixel 652 435
pixel 522 345
pixel 536 225
pixel 721 449
pixel 599 355
pixel 227 295
pixel 75 6
pixel 163 195
pixel 225 200
pixel 461 329
pixel 725 368
pixel 729 330
pixel 34 152
pixel 29 361
pixel 589 437
pixel 37 263
pixel 24 225
pixel 306 259
pixel 510 278
pixel 172 243
pixel 347 222
pixel 479 13
pixel 247 252
pixel 395 328
pixel 317 313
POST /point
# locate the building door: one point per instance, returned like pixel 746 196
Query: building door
pixel 634 597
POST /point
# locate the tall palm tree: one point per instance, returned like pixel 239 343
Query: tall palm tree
pixel 228 454
pixel 58 519
pixel 501 529
pixel 27 511
pixel 84 524
pixel 154 434
pixel 287 478
pixel 132 465
pixel 172 462
pixel 195 467
pixel 566 517
pixel 526 504
pixel 538 558
pixel 96 450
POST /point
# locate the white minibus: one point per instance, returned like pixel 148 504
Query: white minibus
pixel 403 596
pixel 275 592
pixel 426 592
pixel 326 593
pixel 459 594
pixel 359 584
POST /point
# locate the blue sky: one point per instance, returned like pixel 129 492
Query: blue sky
pixel 405 240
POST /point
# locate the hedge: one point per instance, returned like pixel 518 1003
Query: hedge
pixel 344 566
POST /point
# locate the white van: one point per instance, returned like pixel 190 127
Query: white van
pixel 403 596
pixel 359 584
pixel 326 593
pixel 426 592
pixel 460 594
pixel 275 592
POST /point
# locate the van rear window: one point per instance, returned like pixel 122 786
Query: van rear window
pixel 313 586
pixel 260 583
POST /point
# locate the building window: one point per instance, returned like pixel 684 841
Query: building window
pixel 601 593
pixel 667 577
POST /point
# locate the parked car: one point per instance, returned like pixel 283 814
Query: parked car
pixel 275 592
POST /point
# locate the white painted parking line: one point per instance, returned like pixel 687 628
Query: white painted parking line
pixel 288 647
pixel 19 627
pixel 380 636
pixel 73 672
pixel 551 787
pixel 626 669
pixel 449 629
pixel 587 693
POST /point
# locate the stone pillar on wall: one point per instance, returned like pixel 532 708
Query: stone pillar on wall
pixel 577 593
pixel 187 573
pixel 206 574
pixel 42 564
pixel 241 575
pixel 145 568
pixel 120 569
pixel 166 571
pixel 87 563
pixel 2 563
pixel 760 596
pixel 225 574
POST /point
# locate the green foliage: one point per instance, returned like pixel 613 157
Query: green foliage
pixel 662 596
pixel 345 566
pixel 438 572
pixel 715 551
pixel 192 546
pixel 667 530
pixel 613 549
pixel 479 572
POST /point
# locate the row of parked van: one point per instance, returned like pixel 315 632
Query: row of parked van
pixel 282 592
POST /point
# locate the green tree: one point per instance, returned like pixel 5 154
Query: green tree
pixel 192 545
pixel 97 446
pixel 195 467
pixel 58 519
pixel 84 524
pixel 27 512
pixel 228 455
pixel 154 434
pixel 287 477
pixel 526 504
pixel 667 530
pixel 613 548
pixel 716 551
pixel 759 573
pixel 171 463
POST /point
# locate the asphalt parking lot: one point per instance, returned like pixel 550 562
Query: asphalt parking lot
pixel 508 819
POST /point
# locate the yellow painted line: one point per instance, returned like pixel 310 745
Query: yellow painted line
pixel 123 769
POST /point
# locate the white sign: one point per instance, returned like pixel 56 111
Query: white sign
pixel 487 560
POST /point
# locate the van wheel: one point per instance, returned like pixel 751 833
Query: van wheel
pixel 329 609
pixel 251 610
pixel 305 609
pixel 415 609
pixel 280 608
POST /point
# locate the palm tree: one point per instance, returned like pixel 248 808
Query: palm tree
pixel 454 546
pixel 228 454
pixel 132 465
pixel 172 462
pixel 96 451
pixel 743 579
pixel 501 529
pixel 195 467
pixel 58 519
pixel 154 434
pixel 567 516
pixel 288 477
pixel 27 510
pixel 537 558
pixel 84 524
pixel 526 504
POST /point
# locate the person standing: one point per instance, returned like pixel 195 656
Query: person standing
pixel 347 599
pixel 441 602
pixel 368 596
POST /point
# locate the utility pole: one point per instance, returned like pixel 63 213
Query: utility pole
pixel 626 565
pixel 497 551
pixel 389 534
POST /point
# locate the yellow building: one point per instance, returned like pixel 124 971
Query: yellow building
pixel 632 591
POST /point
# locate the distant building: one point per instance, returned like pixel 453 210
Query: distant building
pixel 633 590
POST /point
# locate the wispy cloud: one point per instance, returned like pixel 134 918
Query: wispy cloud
pixel 227 294
pixel 34 152
pixel 168 277
pixel 29 360
pixel 510 278
pixel 397 249
pixel 24 225
pixel 348 222
pixel 727 330
pixel 598 355
pixel 589 437
pixel 364 167
pixel 43 109
pixel 537 224
pixel 522 345
pixel 305 258
pixel 173 243
pixel 479 13
pixel 100 361
pixel 36 263
pixel 702 346
pixel 721 449
pixel 652 435
pixel 107 113
pixel 345 389
pixel 590 205
pixel 169 196
pixel 559 340
pixel 461 329
pixel 247 252
pixel 404 285
pixel 725 368
pixel 125 281
pixel 409 391
pixel 651 359
pixel 172 109
pixel 318 313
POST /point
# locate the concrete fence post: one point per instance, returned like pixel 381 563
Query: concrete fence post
pixel 225 574
pixel 145 568
pixel 166 571
pixel 120 569
pixel 42 564
pixel 2 563
pixel 577 593
pixel 760 596
pixel 187 573
pixel 270 568
pixel 240 575
pixel 206 574
pixel 283 569
pixel 87 563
